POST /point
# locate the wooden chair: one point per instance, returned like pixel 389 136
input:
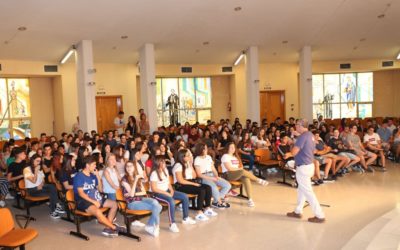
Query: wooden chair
pixel 79 216
pixel 264 161
pixel 192 197
pixel 11 237
pixel 30 201
pixel 128 214
pixel 234 184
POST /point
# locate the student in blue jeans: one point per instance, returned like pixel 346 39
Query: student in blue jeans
pixel 163 192
pixel 135 196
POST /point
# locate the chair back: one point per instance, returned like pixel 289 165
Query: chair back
pixel 219 169
pixel 21 187
pixel 263 154
pixel 69 196
pixel 7 221
pixel 120 198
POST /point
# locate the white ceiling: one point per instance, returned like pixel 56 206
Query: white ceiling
pixel 178 29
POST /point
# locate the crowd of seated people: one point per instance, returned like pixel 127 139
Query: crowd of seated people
pixel 202 160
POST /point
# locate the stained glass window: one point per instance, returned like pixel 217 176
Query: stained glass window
pixel 194 99
pixel 346 95
pixel 15 109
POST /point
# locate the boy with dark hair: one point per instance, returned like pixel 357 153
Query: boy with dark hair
pixel 87 188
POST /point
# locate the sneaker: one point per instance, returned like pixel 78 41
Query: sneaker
pixel 156 231
pixel 370 169
pixel 329 180
pixel 294 215
pixel 201 217
pixel 263 182
pixel 250 203
pixel 217 205
pixel 152 230
pixel 226 204
pixel 174 228
pixel 109 232
pixel 210 212
pixel 315 182
pixel 137 223
pixel 316 220
pixel 320 181
pixel 60 209
pixel 9 197
pixel 55 215
pixel 188 221
pixel 120 229
pixel 179 207
pixel 2 203
pixel 233 193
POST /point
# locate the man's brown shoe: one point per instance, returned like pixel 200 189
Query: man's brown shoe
pixel 294 215
pixel 316 220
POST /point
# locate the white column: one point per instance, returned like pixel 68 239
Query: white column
pixel 305 65
pixel 86 86
pixel 148 84
pixel 252 83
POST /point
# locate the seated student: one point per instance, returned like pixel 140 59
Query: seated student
pixel 385 134
pixel 223 141
pixel 354 143
pixel 136 199
pixel 373 143
pixel 36 186
pixel 164 151
pixel 149 163
pixel 246 149
pixel 16 168
pixel 87 188
pixel 185 180
pixel 118 152
pixel 262 141
pixel 206 171
pixel 232 168
pixel 163 191
pixel 111 178
pixel 284 150
pixel 338 147
pixel 67 173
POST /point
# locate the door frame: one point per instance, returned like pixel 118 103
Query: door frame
pixel 284 100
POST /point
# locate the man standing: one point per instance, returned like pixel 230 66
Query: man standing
pixel 303 152
pixel 119 122
pixel 173 103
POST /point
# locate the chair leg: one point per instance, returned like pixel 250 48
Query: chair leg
pixel 130 235
pixel 78 230
pixel 22 247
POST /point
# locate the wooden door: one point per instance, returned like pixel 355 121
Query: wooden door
pixel 272 105
pixel 107 108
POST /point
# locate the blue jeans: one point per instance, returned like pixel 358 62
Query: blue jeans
pixel 250 158
pixel 218 194
pixel 111 196
pixel 170 201
pixel 148 204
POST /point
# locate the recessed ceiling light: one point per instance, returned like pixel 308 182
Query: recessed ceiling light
pixel 206 43
pixel 237 8
pixel 124 37
pixel 22 28
pixel 285 42
pixel 381 16
pixel 363 39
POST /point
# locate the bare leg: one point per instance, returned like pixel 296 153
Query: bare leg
pixel 371 159
pixel 316 170
pixel 93 210
pixel 328 164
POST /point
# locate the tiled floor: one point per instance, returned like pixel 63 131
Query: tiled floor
pixel 356 201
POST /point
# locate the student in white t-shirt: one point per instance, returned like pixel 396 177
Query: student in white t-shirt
pixel 232 168
pixel 373 143
pixel 111 178
pixel 206 171
pixel 185 180
pixel 36 186
pixel 119 122
pixel 163 192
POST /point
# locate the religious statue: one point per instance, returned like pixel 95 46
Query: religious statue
pixel 173 104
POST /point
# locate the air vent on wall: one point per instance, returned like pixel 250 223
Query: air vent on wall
pixel 50 68
pixel 186 69
pixel 345 65
pixel 387 64
pixel 226 69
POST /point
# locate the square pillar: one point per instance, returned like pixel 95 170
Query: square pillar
pixel 305 65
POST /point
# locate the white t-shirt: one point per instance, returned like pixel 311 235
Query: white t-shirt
pixel 28 173
pixel 161 184
pixel 372 139
pixel 205 163
pixel 229 158
pixel 178 168
pixel 31 153
pixel 119 122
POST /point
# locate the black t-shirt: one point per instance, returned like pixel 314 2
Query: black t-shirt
pixel 16 169
pixel 47 163
pixel 224 142
pixel 336 144
pixel 64 176
pixel 283 149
